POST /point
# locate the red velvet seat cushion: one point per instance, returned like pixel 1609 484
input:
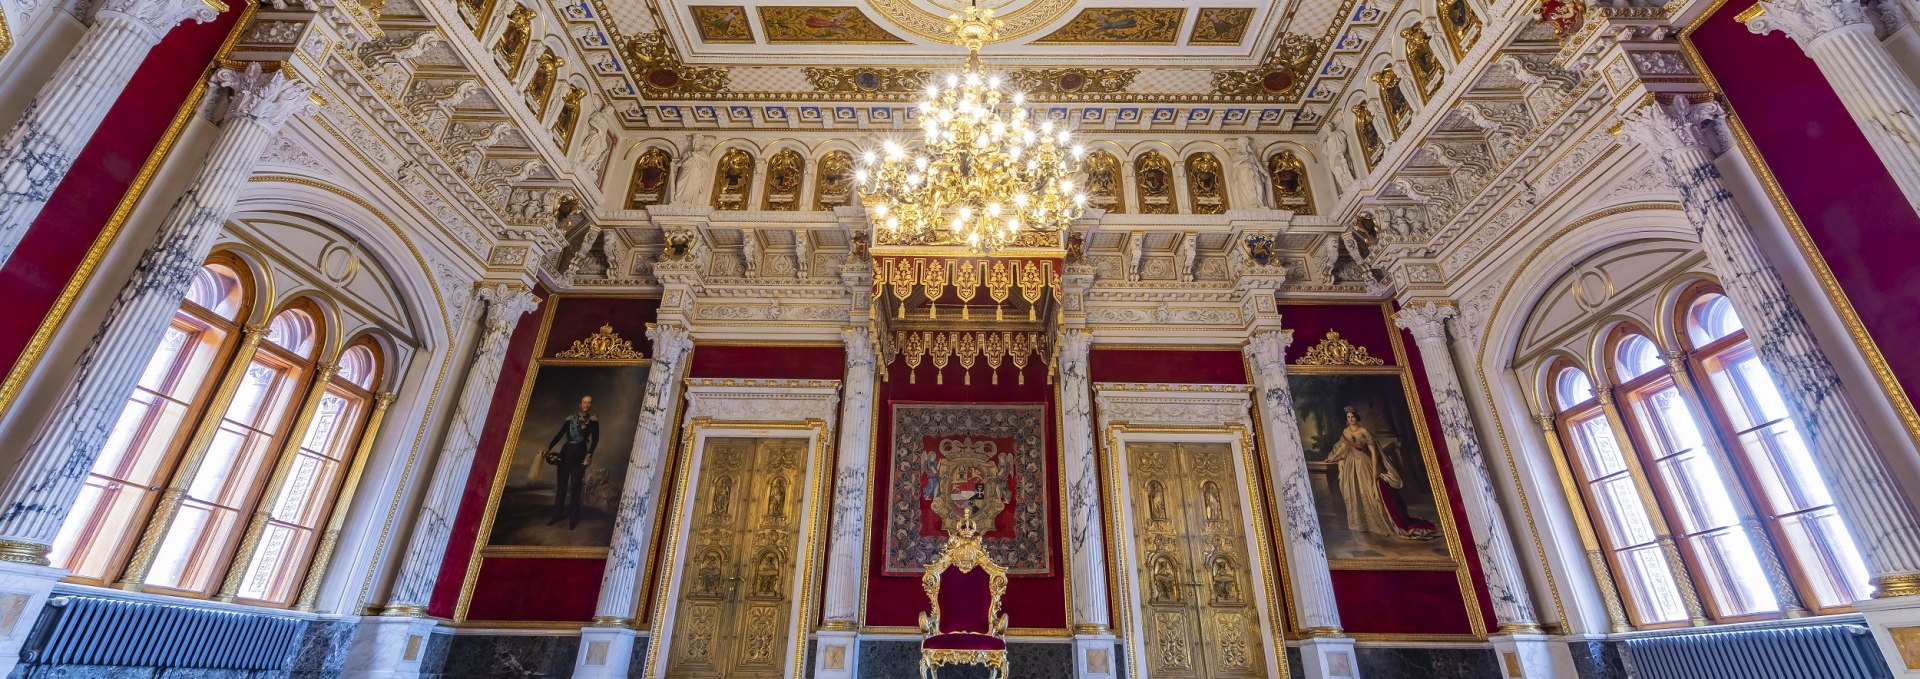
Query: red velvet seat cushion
pixel 965 601
pixel 964 642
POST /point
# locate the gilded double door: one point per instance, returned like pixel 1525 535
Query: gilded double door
pixel 736 588
pixel 1198 614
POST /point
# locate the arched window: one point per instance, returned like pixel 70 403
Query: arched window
pixel 1769 453
pixel 304 484
pixel 1696 492
pixel 154 427
pixel 1615 497
pixel 226 476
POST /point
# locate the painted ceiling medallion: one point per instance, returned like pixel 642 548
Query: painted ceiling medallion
pixel 821 25
pixel 928 18
pixel 1282 77
pixel 1220 25
pixel 1120 26
pixel 987 171
pixel 722 24
pixel 661 72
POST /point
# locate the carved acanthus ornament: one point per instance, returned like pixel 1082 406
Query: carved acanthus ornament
pixel 1334 350
pixel 603 345
pixel 896 81
pixel 1282 78
pixel 662 72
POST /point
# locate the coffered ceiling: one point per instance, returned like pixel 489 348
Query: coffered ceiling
pixel 1233 65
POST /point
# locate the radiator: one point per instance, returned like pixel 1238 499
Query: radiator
pixel 1811 652
pixel 86 630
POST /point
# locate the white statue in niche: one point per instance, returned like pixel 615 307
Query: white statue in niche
pixel 695 169
pixel 1250 174
pixel 1338 151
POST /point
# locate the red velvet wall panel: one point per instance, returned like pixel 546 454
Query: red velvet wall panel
pixel 1223 366
pixel 768 362
pixel 500 589
pixel 1394 602
pixel 1836 184
pixel 1030 602
pixel 77 213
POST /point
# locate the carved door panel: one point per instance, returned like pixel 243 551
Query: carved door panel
pixel 1195 586
pixel 736 591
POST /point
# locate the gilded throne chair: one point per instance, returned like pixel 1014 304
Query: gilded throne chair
pixel 966 626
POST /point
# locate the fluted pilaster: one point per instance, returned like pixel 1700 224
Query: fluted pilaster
pixel 41 147
pixel 1506 587
pixel 1884 525
pixel 1839 36
pixel 840 605
pixel 35 500
pixel 1286 457
pixel 427 547
pixel 639 501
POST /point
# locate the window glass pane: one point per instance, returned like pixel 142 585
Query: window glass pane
pixel 216 288
pixel 1666 419
pixel 1710 318
pixel 1622 512
pixel 1732 570
pixel 1745 387
pixel 1572 388
pixel 1638 356
pixel 1651 585
pixel 1698 492
pixel 294 331
pixel 276 565
pixel 357 366
pixel 1820 542
pixel 1593 443
pixel 1785 469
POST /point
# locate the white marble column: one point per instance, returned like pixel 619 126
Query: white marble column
pixel 35 500
pixel 427 545
pixel 639 510
pixel 1326 652
pixel 1875 509
pixel 840 603
pixel 1519 630
pixel 1086 543
pixel 1839 36
pixel 41 147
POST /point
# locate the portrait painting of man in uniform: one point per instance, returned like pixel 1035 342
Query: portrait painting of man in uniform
pixel 567 458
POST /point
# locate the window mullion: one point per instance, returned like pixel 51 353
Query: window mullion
pixel 289 450
pixel 1606 570
pixel 1677 561
pixel 211 417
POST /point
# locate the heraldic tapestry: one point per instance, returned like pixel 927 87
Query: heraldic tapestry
pixel 947 459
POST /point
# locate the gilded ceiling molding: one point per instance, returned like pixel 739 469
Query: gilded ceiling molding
pixel 861 80
pixel 660 70
pixel 1019 23
pixel 1282 78
pixel 1073 81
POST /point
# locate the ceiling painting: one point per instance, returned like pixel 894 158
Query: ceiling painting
pixel 821 25
pixel 1220 25
pixel 1120 26
pixel 722 24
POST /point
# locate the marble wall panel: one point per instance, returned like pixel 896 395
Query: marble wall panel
pixel 480 655
pixel 1427 663
pixel 894 659
pixel 1598 659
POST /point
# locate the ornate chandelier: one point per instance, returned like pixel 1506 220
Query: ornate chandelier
pixel 984 170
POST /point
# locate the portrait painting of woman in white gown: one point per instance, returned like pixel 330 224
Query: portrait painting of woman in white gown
pixel 1369 469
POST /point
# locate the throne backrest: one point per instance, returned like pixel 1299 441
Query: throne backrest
pixel 964 585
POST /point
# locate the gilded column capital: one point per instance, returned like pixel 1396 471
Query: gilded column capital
pixel 1808 20
pixel 1427 323
pixel 269 96
pixel 1669 127
pixel 156 17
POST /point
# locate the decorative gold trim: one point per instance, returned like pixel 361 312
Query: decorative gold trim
pixel 1333 350
pixel 603 345
pixel 36 347
pixel 20 551
pixel 1745 15
pixel 1803 240
pixel 1890 586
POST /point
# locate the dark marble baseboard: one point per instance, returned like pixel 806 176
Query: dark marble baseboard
pixel 896 659
pixel 1427 663
pixel 1598 659
pixel 481 655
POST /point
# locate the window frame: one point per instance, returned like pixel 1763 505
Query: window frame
pixel 1630 390
pixel 219 562
pixel 183 436
pixel 1711 400
pixel 1564 417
